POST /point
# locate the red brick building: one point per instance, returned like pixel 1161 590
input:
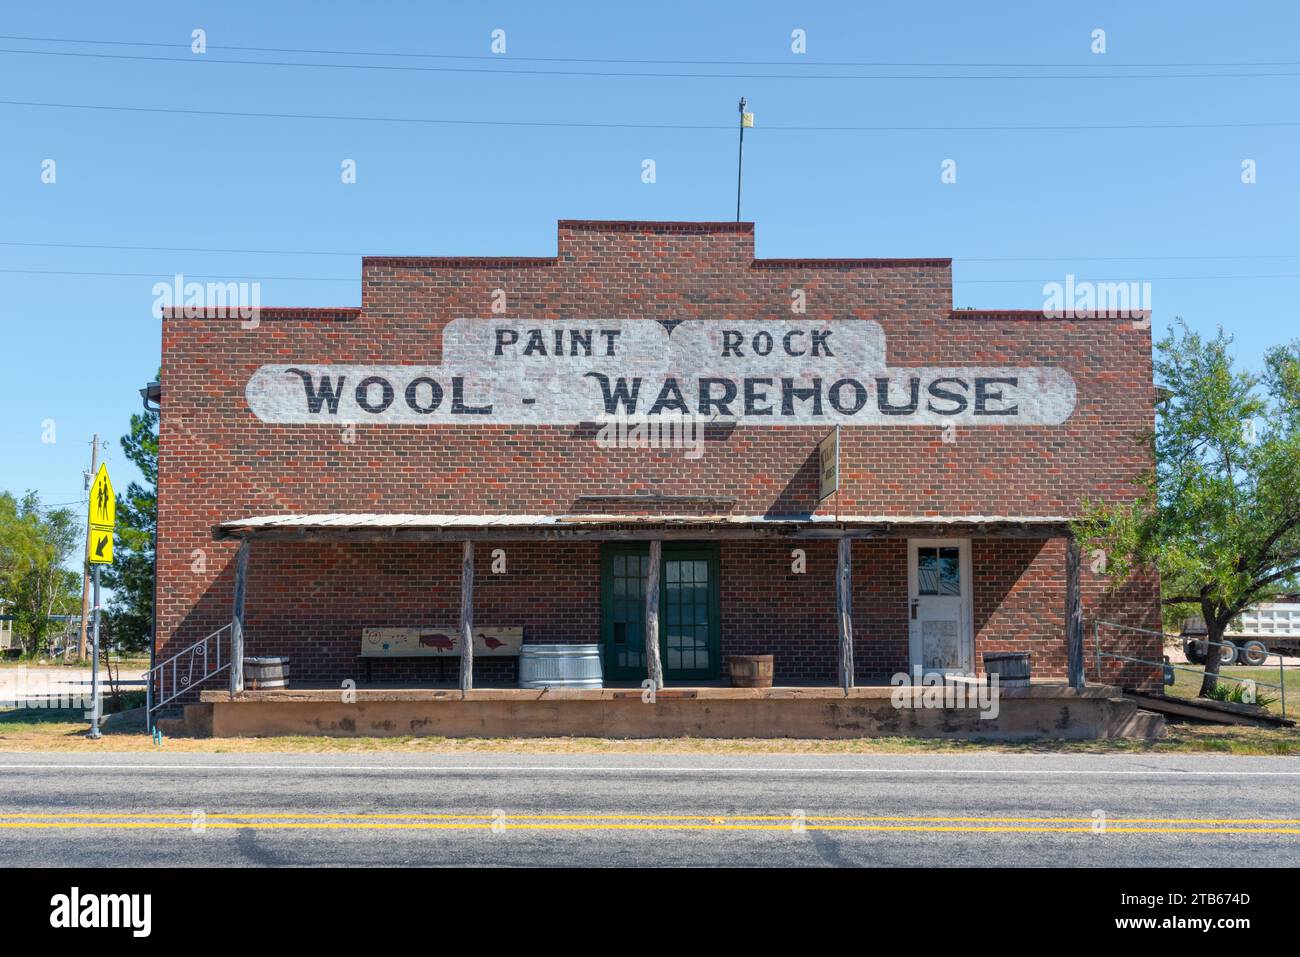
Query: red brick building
pixel 355 450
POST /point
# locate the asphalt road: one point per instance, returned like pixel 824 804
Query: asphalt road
pixel 517 810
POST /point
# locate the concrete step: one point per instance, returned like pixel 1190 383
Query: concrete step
pixel 1144 726
pixel 198 719
pixel 193 721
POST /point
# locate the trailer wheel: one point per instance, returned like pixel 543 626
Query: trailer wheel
pixel 1194 652
pixel 1254 653
pixel 1227 652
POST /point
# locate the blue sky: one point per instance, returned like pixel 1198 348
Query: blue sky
pixel 1029 206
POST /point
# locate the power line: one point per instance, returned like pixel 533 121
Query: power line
pixel 58 505
pixel 171 274
pixel 653 126
pixel 367 119
pixel 358 280
pixel 355 255
pixel 1283 275
pixel 645 75
pixel 1100 259
pixel 186 249
pixel 638 62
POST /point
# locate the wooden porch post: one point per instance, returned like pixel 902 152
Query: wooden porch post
pixel 467 617
pixel 237 620
pixel 1073 613
pixel 653 666
pixel 844 609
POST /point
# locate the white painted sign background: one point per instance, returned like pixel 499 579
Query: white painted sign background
pixel 764 372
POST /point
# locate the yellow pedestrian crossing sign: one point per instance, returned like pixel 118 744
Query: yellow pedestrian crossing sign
pixel 101 545
pixel 101 519
pixel 103 503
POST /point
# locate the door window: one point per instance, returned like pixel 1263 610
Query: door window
pixel 938 570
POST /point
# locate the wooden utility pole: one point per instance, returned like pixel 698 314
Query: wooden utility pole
pixel 844 610
pixel 653 665
pixel 237 620
pixel 467 617
pixel 1073 613
pixel 85 570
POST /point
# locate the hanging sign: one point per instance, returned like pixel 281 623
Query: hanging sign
pixel 828 459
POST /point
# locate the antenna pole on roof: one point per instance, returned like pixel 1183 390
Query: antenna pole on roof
pixel 746 119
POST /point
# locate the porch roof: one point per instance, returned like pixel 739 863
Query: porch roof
pixel 385 526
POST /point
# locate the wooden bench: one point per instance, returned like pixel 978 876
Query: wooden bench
pixel 436 642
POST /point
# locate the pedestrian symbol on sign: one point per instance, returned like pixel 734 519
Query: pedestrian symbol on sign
pixel 103 502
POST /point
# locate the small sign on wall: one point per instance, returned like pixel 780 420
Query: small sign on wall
pixel 435 641
pixel 828 458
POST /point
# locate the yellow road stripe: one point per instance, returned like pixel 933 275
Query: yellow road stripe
pixel 719 819
pixel 610 826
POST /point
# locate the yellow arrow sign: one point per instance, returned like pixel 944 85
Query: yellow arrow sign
pixel 103 502
pixel 101 545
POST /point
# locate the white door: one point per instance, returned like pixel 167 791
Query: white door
pixel 940 634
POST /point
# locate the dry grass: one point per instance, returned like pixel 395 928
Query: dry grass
pixel 61 731
pixel 1188 685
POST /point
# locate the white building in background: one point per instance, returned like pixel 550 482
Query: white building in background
pixel 7 639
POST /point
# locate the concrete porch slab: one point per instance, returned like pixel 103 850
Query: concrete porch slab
pixel 1043 710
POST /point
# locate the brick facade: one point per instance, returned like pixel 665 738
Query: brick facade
pixel 219 462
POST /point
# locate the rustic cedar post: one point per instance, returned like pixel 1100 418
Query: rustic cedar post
pixel 1073 613
pixel 844 610
pixel 653 665
pixel 467 617
pixel 237 621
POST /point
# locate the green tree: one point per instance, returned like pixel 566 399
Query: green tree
pixel 130 610
pixel 1220 515
pixel 35 548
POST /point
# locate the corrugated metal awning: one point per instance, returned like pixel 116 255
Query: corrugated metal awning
pixel 398 526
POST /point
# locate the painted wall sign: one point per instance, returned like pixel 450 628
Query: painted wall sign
pixel 797 372
pixel 438 641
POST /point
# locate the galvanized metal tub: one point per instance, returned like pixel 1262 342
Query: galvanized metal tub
pixel 261 674
pixel 560 666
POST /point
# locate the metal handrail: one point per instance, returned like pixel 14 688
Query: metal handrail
pixel 183 683
pixel 1096 636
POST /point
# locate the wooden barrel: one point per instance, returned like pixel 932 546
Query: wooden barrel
pixel 750 671
pixel 262 674
pixel 1011 667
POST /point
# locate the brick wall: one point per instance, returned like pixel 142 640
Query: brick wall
pixel 219 462
pixel 311 601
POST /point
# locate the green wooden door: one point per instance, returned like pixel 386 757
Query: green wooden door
pixel 688 611
pixel 622 610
